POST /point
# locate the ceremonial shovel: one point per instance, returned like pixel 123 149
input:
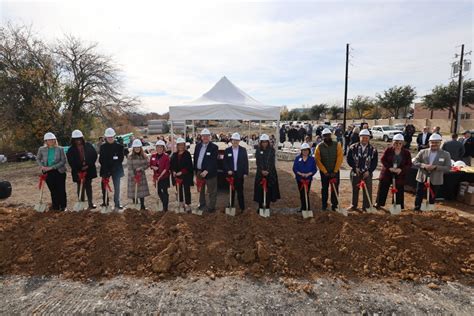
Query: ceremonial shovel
pixel 339 209
pixel 41 207
pixel 426 206
pixel 80 205
pixel 395 209
pixel 106 208
pixel 306 213
pixel 371 208
pixel 135 203
pixel 157 207
pixel 178 190
pixel 230 210
pixel 264 212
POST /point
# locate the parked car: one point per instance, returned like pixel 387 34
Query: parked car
pixel 399 126
pixel 21 156
pixel 3 159
pixel 384 132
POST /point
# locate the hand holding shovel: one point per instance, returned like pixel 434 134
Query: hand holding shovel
pixel 106 183
pixel 80 204
pixel 230 210
pixel 264 212
pixel 41 207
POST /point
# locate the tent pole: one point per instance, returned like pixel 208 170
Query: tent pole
pixel 194 138
pixel 260 127
pixel 277 140
pixel 172 138
pixel 248 139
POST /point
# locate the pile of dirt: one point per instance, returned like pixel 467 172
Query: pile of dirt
pixel 163 245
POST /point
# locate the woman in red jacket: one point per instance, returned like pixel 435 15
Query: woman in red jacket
pixel 160 164
pixel 396 161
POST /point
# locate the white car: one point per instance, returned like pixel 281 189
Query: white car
pixel 384 132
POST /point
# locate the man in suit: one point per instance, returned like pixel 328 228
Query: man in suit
pixel 468 142
pixel 236 165
pixel 422 140
pixel 205 165
pixel 454 147
pixel 432 162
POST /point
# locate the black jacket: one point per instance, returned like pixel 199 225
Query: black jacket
pixel 183 164
pixel 419 140
pixel 111 159
pixel 209 162
pixel 242 162
pixel 90 157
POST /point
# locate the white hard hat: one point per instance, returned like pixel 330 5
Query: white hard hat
pixel 264 137
pixel 109 132
pixel 49 136
pixel 398 137
pixel 364 132
pixel 205 132
pixel 435 137
pixel 459 163
pixel 160 143
pixel 137 143
pixel 235 136
pixel 76 134
pixel 305 146
pixel 326 131
pixel 181 140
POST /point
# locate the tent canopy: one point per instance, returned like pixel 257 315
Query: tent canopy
pixel 224 101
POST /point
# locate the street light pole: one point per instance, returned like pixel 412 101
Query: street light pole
pixel 345 87
pixel 457 123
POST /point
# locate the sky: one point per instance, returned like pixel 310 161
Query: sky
pixel 280 52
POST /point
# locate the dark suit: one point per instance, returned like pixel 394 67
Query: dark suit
pixel 238 171
pixel 209 163
pixel 419 141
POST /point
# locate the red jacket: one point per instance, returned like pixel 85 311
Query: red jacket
pixel 163 163
pixel 387 162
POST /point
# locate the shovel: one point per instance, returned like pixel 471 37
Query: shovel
pixel 339 209
pixel 426 206
pixel 41 207
pixel 306 213
pixel 80 205
pixel 395 209
pixel 264 212
pixel 178 190
pixel 106 208
pixel 230 210
pixel 371 208
pixel 157 207
pixel 135 204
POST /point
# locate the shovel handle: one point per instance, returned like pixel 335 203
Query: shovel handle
pixel 335 192
pixel 306 197
pixel 367 194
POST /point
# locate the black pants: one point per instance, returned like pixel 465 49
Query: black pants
pixel 187 193
pixel 304 207
pixel 384 188
pixel 56 182
pixel 325 187
pixel 421 194
pixel 162 188
pixel 142 202
pixel 239 188
pixel 87 188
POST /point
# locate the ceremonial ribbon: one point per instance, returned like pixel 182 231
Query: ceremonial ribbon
pixel 137 177
pixel 456 169
pixel 179 181
pixel 264 184
pixel 200 183
pixel 230 180
pixel 428 186
pixel 304 183
pixel 332 180
pixel 42 179
pixel 82 175
pixel 361 184
pixel 394 190
pixel 106 183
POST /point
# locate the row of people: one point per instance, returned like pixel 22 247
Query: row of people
pixel 184 171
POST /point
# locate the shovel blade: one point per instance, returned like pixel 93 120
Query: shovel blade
pixel 196 212
pixel 395 209
pixel 135 206
pixel 427 207
pixel 157 208
pixel 264 212
pixel 371 210
pixel 307 214
pixel 230 211
pixel 40 207
pixel 79 206
pixel 106 209
pixel 342 211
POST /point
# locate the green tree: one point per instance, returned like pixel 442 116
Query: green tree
pixel 316 111
pixel 361 104
pixel 446 97
pixel 334 111
pixel 397 100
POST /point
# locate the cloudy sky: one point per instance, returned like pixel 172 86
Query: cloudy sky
pixel 281 53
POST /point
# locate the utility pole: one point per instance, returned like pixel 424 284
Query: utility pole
pixel 457 123
pixel 345 87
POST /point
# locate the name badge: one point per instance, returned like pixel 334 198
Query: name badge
pixel 208 154
pixel 230 155
pixel 115 157
pixel 261 152
pixel 153 158
pixel 441 159
pixel 300 159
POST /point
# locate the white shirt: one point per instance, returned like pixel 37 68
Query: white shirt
pixel 423 138
pixel 432 156
pixel 235 153
pixel 201 155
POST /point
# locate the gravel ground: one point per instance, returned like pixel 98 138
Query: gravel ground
pixel 36 295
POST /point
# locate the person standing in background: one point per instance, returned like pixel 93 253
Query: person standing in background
pixel 454 147
pixel 422 140
pixel 468 142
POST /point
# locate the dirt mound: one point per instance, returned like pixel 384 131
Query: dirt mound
pixel 146 244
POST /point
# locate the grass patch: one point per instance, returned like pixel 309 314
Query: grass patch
pixel 9 166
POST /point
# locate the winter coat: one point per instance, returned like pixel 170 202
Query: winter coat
pixel 111 159
pixel 90 157
pixel 387 163
pixel 163 164
pixel 184 164
pixel 266 161
pixel 132 165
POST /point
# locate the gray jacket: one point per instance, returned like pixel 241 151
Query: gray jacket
pixel 59 158
pixel 442 161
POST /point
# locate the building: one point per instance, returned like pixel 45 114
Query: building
pixel 422 113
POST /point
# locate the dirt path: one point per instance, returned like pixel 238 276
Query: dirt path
pixel 230 295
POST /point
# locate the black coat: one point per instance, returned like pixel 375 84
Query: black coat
pixel 111 159
pixel 209 162
pixel 183 164
pixel 282 135
pixel 242 162
pixel 90 157
pixel 419 139
pixel 266 161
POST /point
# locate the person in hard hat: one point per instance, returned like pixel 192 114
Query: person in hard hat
pixel 82 156
pixel 236 165
pixel 362 157
pixel 181 166
pixel 396 162
pixel 137 163
pixel 432 162
pixel 205 166
pixel 304 168
pixel 111 157
pixel 265 160
pixel 160 164
pixel 329 155
pixel 52 161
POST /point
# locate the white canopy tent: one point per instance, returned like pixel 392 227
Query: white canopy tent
pixel 225 101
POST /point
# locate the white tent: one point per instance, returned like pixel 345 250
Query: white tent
pixel 225 102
